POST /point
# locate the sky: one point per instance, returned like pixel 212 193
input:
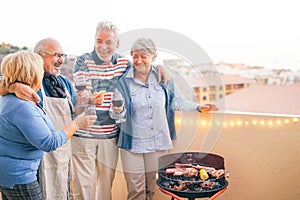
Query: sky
pixel 257 32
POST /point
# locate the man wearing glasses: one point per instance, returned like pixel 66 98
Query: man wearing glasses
pixel 57 97
pixel 58 55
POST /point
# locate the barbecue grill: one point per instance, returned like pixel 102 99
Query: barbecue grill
pixel 191 186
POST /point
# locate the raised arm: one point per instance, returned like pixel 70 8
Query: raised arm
pixel 181 103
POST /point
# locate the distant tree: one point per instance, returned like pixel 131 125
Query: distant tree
pixel 4 51
pixel 7 48
pixel 14 49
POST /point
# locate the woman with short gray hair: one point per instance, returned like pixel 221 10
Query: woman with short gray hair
pixel 147 125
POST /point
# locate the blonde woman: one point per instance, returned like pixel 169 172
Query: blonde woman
pixel 26 131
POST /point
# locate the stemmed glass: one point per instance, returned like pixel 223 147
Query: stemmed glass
pixel 80 82
pixel 80 85
pixel 118 101
pixel 90 109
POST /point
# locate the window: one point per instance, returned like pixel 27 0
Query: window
pixel 212 88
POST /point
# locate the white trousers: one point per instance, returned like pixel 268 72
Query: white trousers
pixel 94 163
pixel 140 173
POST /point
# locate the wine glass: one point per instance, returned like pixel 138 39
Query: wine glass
pixel 80 85
pixel 90 109
pixel 118 101
pixel 80 82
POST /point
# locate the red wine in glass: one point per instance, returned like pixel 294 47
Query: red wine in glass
pixel 117 102
pixel 80 87
pixel 80 82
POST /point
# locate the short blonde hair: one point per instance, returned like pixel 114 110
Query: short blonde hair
pixel 24 67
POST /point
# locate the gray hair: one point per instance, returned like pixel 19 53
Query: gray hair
pixel 43 44
pixel 107 26
pixel 144 45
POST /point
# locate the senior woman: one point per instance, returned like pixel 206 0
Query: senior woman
pixel 26 130
pixel 148 127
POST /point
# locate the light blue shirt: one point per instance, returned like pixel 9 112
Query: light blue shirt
pixel 150 131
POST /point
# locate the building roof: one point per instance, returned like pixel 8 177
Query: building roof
pixel 213 80
pixel 274 99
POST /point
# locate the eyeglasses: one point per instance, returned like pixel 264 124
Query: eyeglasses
pixel 57 55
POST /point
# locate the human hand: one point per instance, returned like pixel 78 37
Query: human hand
pixel 84 97
pixel 85 121
pixel 24 92
pixel 162 74
pixel 207 107
pixel 117 105
pixel 98 97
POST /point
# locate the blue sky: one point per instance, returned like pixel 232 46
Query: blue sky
pixel 256 32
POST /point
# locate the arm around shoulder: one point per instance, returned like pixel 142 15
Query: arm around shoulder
pixel 21 90
pixel 3 90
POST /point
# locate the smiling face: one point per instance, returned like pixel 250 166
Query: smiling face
pixel 143 52
pixel 106 42
pixel 142 61
pixel 52 62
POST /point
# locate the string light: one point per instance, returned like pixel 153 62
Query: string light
pixel 239 122
pixel 295 119
pixel 270 123
pixel 231 123
pixel 203 122
pixel 178 121
pixel 218 122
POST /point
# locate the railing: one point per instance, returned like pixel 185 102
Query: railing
pixel 261 153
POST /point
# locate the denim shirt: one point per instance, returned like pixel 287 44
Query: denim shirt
pixel 150 110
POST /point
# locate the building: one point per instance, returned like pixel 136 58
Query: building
pixel 211 87
pixel 274 99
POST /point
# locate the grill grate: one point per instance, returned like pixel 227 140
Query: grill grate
pixel 189 183
pixel 192 179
